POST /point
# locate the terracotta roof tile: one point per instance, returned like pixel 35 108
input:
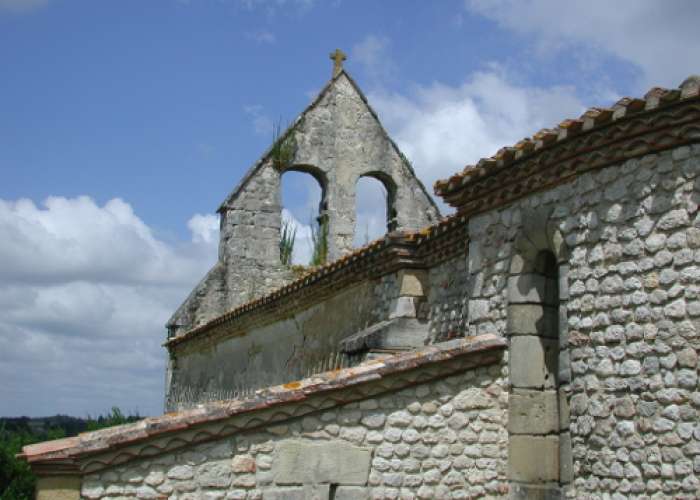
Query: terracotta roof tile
pixel 91 443
pixel 591 119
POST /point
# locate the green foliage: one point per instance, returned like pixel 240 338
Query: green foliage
pixel 114 417
pixel 283 147
pixel 319 239
pixel 17 482
pixel 288 236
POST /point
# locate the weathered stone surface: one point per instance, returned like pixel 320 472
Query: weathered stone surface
pixel 533 319
pixel 533 362
pixel 526 288
pixel 64 488
pixel 412 283
pixel 533 412
pixel 529 466
pixel 299 462
pixel 251 215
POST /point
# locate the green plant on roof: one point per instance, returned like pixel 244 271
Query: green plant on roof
pixel 288 236
pixel 319 240
pixel 284 147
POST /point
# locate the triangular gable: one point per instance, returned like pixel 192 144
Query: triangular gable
pixel 265 156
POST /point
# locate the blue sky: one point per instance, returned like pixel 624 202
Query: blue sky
pixel 123 125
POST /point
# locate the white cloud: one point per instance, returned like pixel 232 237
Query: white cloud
pixel 22 5
pixel 303 244
pixel 443 128
pixel 661 38
pixel 85 292
pixel 372 52
pixel 262 123
pixel 75 239
pixel 204 228
pixel 370 211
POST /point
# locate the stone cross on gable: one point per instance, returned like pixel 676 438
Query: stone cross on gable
pixel 337 57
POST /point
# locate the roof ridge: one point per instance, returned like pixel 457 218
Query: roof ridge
pixel 592 118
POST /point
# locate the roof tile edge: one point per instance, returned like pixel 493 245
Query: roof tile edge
pixel 71 450
pixel 656 100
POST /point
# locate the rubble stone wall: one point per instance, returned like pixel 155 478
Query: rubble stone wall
pixel 441 439
pixel 629 321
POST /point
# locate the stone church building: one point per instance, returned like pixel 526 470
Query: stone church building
pixel 541 342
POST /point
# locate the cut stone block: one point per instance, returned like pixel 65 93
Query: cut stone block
pixel 533 412
pixel 526 288
pixel 564 410
pixel 533 459
pixel 58 488
pixel 533 362
pixel 564 282
pixel 336 462
pixel 535 492
pixel 566 461
pixel 351 493
pixel 564 367
pixel 284 494
pixel 412 282
pixel 404 307
pixel 533 319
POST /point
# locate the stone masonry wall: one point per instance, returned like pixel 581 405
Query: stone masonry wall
pixel 632 233
pixel 444 439
pixel 338 140
pixel 448 299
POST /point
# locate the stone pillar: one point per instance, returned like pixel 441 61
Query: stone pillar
pixel 538 407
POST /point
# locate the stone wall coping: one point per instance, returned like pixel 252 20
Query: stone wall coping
pixel 65 454
pixel 632 127
pixel 395 251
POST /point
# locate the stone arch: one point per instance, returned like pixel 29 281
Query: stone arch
pixel 320 216
pixel 391 189
pixel 320 177
pixel 538 414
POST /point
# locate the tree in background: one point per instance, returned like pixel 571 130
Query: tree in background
pixel 17 482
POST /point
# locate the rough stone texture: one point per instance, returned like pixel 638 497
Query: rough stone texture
pixel 443 439
pixel 64 488
pixel 631 317
pixel 338 140
pixel 297 462
pixel 385 313
pixel 448 302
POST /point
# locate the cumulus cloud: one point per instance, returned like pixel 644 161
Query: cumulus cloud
pixel 660 38
pixel 442 128
pixel 84 293
pixel 204 228
pixel 22 5
pixel 372 52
